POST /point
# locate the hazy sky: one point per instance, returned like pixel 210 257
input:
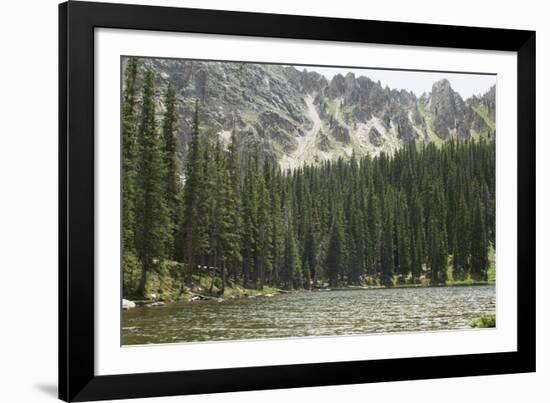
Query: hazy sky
pixel 418 82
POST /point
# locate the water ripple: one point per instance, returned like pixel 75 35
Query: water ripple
pixel 311 314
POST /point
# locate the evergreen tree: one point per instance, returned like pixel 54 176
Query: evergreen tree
pixel 265 258
pixel 277 228
pixel 386 218
pixel 310 254
pixel 374 227
pixel 291 273
pixel 191 196
pixel 417 236
pixel 225 234
pixel 173 181
pixel 336 252
pixel 250 222
pixel 235 205
pixel 129 154
pixel 206 217
pixel 462 238
pixel 356 248
pixel 387 245
pixel 152 216
pixel 129 161
pixel 437 236
pixel 403 237
pixel 479 244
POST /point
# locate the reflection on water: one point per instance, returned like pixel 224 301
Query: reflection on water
pixel 321 313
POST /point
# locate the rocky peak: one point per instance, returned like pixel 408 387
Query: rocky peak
pixel 312 82
pixel 337 86
pixel 300 116
pixel 449 110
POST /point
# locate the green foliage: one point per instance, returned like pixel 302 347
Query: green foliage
pixel 164 282
pixel 387 248
pixel 153 226
pixel 291 275
pixel 491 272
pixel 131 273
pixel 190 230
pixel 437 237
pixel 479 244
pixel 484 321
pixel 336 252
pixel 129 155
pixel 424 215
pixel 172 180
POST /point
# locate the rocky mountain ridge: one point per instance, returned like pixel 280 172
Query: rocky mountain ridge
pixel 298 116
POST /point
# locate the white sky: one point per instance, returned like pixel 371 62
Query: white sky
pixel 416 81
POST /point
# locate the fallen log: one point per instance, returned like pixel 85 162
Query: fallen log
pixel 282 291
pixel 200 297
pixel 157 303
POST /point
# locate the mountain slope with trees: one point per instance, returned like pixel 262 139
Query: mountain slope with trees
pixel 423 214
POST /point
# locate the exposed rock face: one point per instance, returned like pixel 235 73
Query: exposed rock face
pixel 404 127
pixel 375 137
pixel 454 116
pixel 485 112
pixel 279 128
pixel 478 123
pixel 340 132
pixel 487 101
pixel 449 110
pixel 310 81
pixel 337 86
pixel 323 142
pixel 267 105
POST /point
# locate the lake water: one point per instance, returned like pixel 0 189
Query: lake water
pixel 306 313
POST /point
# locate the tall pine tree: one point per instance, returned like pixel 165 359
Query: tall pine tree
pixel 191 196
pixel 152 216
pixel 173 179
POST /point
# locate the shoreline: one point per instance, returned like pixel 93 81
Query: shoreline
pixel 193 297
pixel 378 287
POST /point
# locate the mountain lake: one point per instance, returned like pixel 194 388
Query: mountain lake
pixel 311 313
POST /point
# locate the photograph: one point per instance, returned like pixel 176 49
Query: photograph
pixel 268 200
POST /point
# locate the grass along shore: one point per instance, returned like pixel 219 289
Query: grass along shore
pixel 485 321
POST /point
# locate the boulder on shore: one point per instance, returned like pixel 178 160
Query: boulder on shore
pixel 127 304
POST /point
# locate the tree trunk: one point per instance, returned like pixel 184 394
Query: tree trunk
pixel 262 274
pixel 213 275
pixel 202 268
pixel 245 272
pixel 189 249
pixel 143 280
pixel 222 289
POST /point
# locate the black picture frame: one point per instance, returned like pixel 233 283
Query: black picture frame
pixel 77 379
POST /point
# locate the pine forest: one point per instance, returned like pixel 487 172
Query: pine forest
pixel 228 216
